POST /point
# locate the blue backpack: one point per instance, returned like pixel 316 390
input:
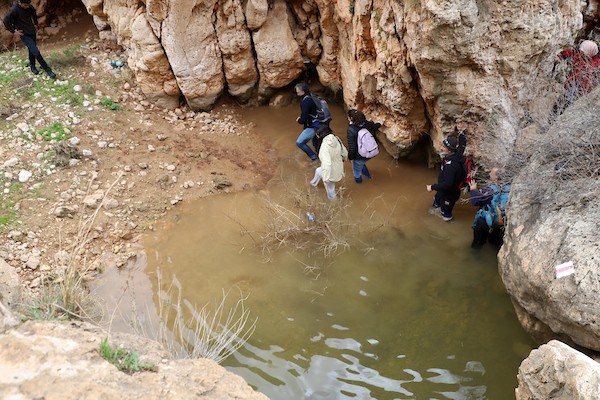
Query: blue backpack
pixel 495 211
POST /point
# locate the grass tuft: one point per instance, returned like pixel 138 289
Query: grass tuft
pixel 124 360
pixel 110 104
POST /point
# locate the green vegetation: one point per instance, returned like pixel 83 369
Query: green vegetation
pixel 124 360
pixel 69 57
pixel 110 104
pixel 352 4
pixel 54 132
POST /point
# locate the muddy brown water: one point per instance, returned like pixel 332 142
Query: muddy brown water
pixel 408 312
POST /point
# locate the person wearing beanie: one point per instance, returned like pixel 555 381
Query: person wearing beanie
pixel 308 108
pixel 489 222
pixel 447 187
pixel 581 79
pixel 22 22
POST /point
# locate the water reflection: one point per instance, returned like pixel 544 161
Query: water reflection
pixel 408 312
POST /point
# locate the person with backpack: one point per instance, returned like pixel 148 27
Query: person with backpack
pixel 332 155
pixel 22 22
pixel 361 141
pixel 312 116
pixel 450 179
pixel 490 219
pixel 582 77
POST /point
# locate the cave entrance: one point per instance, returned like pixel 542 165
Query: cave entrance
pixel 67 21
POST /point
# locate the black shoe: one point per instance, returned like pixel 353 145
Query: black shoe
pixel 34 70
pixel 51 73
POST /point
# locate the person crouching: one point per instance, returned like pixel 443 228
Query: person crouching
pixel 332 155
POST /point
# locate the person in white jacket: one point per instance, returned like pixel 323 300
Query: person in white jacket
pixel 332 155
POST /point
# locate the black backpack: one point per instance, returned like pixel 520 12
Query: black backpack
pixel 323 114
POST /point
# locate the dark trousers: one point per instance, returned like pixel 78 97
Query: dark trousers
pixel 34 53
pixel 445 201
pixel 483 233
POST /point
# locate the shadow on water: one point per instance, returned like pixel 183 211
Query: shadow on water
pixel 408 312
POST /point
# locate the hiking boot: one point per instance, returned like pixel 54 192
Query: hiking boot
pixel 34 70
pixel 358 180
pixel 51 73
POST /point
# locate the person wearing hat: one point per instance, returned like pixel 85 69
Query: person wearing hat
pixel 308 108
pixel 582 77
pixel 447 187
pixel 22 22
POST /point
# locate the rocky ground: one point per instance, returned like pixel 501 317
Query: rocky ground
pixel 87 153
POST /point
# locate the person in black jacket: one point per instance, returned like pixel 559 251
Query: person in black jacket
pixel 449 179
pixel 357 121
pixel 308 109
pixel 22 21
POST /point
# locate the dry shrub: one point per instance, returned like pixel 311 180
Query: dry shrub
pixel 306 221
pixel 311 224
pixel 213 331
pixel 64 293
pixel 560 124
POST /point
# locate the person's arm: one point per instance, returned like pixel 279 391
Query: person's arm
pixel 372 126
pixel 9 21
pixel 566 53
pixel 305 111
pixel 325 158
pixel 447 181
pixel 352 139
pixel 34 17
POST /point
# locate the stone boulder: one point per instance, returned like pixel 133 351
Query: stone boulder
pixel 553 220
pixel 556 371
pixel 61 360
pixel 277 54
pixel 10 285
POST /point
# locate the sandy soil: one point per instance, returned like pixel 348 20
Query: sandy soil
pixel 126 169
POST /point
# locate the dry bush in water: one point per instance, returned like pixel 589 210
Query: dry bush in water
pixel 214 332
pixel 306 221
pixel 325 230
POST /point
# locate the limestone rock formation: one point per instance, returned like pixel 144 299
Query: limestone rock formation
pixel 556 371
pixel 10 286
pixel 277 53
pixel 418 66
pixel 553 219
pixel 61 360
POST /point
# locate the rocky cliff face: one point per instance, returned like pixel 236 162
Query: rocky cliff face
pixel 554 215
pixel 418 66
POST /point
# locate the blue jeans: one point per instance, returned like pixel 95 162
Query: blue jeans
pixel 359 167
pixel 306 135
pixel 34 52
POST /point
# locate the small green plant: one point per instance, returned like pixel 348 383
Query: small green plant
pixel 110 104
pixel 71 56
pixel 54 132
pixel 124 360
pixel 352 4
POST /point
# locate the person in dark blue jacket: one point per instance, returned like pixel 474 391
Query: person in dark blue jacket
pixel 357 121
pixel 308 111
pixel 449 179
pixel 22 22
pixel 485 228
